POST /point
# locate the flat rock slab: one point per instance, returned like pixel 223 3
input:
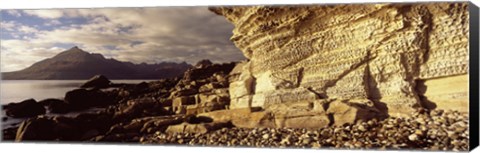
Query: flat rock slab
pixel 196 128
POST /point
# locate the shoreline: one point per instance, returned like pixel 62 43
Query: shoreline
pixel 160 112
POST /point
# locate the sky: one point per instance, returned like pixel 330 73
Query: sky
pixel 139 35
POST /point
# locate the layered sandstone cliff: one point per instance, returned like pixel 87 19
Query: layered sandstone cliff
pixel 387 58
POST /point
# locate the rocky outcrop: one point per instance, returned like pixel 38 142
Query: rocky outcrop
pixel 196 128
pixel 80 99
pixel 26 108
pixel 44 128
pixel 55 106
pixel 203 88
pixel 97 81
pixel 373 55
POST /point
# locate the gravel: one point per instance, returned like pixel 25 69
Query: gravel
pixel 423 130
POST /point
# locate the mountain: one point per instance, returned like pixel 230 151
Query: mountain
pixel 78 64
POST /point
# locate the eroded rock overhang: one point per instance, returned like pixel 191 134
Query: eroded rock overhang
pixel 393 58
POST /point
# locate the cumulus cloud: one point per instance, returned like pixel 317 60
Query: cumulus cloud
pixel 47 14
pixel 8 26
pixel 14 13
pixel 53 23
pixel 149 35
pixel 18 54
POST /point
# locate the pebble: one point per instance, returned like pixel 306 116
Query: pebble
pixel 307 141
pixel 362 128
pixel 413 137
pixel 399 133
pixel 266 136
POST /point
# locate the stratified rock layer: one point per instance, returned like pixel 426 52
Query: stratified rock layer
pixel 373 55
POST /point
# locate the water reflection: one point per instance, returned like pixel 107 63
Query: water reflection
pixel 19 90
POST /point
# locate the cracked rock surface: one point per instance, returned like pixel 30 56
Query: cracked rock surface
pixel 398 57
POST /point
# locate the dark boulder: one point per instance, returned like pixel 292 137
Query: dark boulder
pixel 119 137
pixel 80 99
pixel 193 119
pixel 9 134
pixel 55 106
pixel 27 108
pixel 45 128
pixel 98 81
pixel 94 121
pixel 40 128
pixel 141 86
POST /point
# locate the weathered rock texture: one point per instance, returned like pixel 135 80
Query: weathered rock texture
pixel 390 58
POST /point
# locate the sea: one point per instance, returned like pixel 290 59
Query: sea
pixel 13 91
pixel 19 90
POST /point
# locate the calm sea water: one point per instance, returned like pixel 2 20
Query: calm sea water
pixel 19 90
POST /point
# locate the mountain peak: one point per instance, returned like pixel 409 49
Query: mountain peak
pixel 75 63
pixel 76 49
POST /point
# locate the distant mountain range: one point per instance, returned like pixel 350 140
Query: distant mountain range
pixel 78 64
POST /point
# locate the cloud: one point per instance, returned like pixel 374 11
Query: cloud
pixel 52 23
pixel 46 14
pixel 18 54
pixel 14 13
pixel 27 29
pixel 8 26
pixel 149 35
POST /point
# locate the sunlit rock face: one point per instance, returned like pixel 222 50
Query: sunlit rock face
pixel 391 57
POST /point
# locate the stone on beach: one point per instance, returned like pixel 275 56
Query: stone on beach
pixel 26 108
pixel 97 81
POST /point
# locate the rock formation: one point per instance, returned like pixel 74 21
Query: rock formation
pixel 203 88
pixel 387 58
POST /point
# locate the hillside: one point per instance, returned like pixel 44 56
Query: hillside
pixel 78 64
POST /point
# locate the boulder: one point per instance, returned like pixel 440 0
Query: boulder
pixel 197 128
pixel 55 106
pixel 214 98
pixel 350 112
pixel 181 102
pixel 89 134
pixel 140 108
pixel 193 119
pixel 80 99
pixel 210 86
pixel 244 86
pixel 160 123
pixel 242 117
pixel 9 134
pixel 207 107
pixel 141 86
pixel 26 108
pixel 241 102
pixel 244 83
pixel 40 128
pixel 133 126
pixel 99 121
pixel 119 137
pixel 145 125
pixel 301 118
pixel 184 92
pixel 97 81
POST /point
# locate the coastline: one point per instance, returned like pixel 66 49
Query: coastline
pixel 152 113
